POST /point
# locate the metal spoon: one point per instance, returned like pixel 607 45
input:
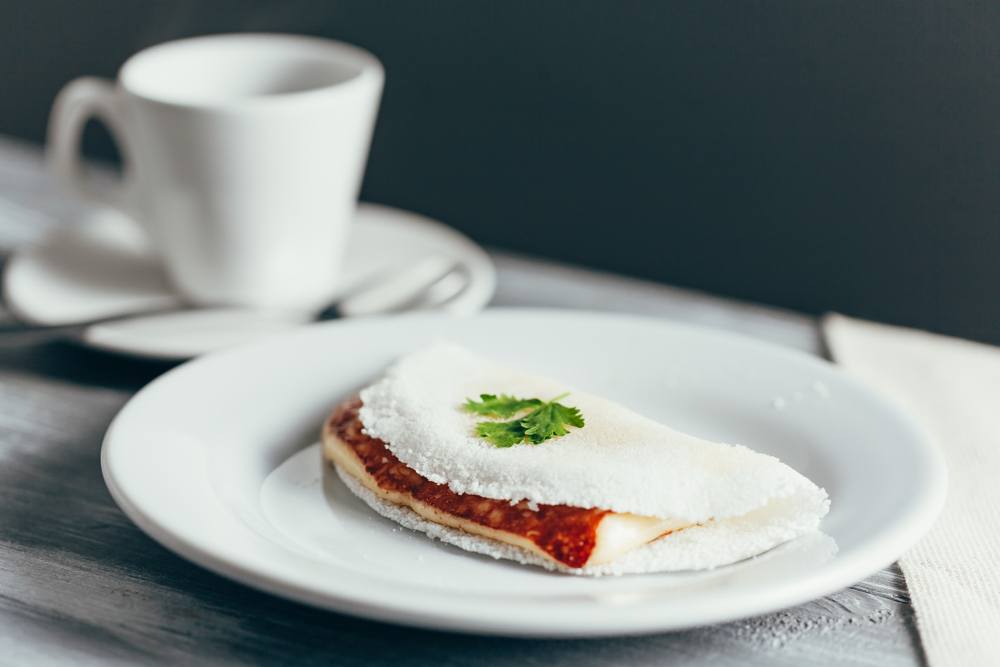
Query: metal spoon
pixel 432 282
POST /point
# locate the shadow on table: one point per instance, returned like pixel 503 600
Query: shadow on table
pixel 68 361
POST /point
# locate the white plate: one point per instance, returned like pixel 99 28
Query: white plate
pixel 214 461
pixel 102 266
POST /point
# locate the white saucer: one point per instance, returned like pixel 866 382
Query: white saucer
pixel 102 266
pixel 215 461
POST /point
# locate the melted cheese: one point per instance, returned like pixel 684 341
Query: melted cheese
pixel 616 534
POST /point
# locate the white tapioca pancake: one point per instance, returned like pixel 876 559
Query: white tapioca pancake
pixel 619 461
pixel 722 502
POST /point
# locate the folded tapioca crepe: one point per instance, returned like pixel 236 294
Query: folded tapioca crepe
pixel 613 493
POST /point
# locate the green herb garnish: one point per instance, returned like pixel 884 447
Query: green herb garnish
pixel 546 419
pixel 491 405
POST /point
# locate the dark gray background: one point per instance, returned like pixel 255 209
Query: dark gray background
pixel 815 155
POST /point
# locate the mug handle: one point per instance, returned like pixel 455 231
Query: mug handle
pixel 79 101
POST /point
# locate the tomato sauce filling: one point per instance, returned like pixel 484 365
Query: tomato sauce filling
pixel 567 534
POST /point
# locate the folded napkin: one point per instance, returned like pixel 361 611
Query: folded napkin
pixel 952 386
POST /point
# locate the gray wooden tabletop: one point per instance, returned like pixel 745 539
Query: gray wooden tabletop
pixel 79 584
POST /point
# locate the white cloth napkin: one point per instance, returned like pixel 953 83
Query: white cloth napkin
pixel 953 387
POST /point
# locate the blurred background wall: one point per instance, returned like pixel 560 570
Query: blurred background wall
pixel 815 155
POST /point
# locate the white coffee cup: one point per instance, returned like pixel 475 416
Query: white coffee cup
pixel 243 156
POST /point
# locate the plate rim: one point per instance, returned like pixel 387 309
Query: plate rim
pixel 909 526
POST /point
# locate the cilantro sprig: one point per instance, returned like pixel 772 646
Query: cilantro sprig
pixel 544 420
pixel 504 405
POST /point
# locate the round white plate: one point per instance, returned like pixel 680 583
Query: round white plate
pixel 216 461
pixel 102 266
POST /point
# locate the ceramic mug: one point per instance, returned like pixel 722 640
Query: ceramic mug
pixel 242 159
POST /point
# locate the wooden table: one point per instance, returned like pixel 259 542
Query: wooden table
pixel 80 584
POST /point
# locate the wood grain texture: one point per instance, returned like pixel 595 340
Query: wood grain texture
pixel 80 584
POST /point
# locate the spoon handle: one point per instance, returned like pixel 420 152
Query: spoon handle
pixel 394 291
pixel 400 289
pixel 16 332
